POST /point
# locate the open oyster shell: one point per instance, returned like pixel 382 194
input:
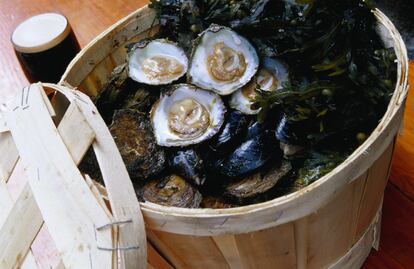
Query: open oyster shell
pixel 222 61
pixel 186 115
pixel 269 78
pixel 157 62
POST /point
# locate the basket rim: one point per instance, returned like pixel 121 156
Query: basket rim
pixel 157 215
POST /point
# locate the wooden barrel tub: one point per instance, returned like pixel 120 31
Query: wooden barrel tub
pixel 332 223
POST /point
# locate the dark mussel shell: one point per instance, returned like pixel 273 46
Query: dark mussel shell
pixel 216 202
pixel 133 135
pixel 258 183
pixel 172 191
pixel 292 132
pixel 255 129
pixel 188 164
pixel 231 132
pixel 248 156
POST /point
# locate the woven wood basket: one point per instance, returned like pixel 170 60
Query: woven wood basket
pixel 333 223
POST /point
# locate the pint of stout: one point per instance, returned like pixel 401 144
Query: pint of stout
pixel 44 45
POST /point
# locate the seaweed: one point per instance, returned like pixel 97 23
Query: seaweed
pixel 341 76
pixel 332 47
pixel 317 165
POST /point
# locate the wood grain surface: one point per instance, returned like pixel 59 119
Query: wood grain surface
pixel 89 18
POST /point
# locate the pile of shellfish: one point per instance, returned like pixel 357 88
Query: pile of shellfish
pixel 187 129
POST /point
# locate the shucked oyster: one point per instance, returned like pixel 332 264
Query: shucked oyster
pixel 269 78
pixel 223 61
pixel 157 62
pixel 186 115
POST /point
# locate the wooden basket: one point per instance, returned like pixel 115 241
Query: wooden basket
pixel 333 223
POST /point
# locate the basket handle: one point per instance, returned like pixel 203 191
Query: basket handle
pixel 121 193
pixel 71 211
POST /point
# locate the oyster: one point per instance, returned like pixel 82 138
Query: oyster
pixel 188 164
pixel 186 115
pixel 257 183
pixel 132 133
pixel 157 62
pixel 216 202
pixel 172 191
pixel 222 61
pixel 269 78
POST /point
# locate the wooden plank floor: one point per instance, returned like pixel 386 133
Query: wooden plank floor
pixel 89 18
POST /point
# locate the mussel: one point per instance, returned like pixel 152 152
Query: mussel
pixel 133 135
pixel 188 164
pixel 231 132
pixel 248 156
pixel 172 190
pixel 291 132
pixel 258 183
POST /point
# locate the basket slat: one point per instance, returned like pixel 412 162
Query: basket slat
pixel 77 142
pixel 5 201
pixel 373 195
pixel 8 162
pixel 124 203
pixel 29 262
pixel 19 229
pixel 84 133
pixel 64 199
pixel 72 207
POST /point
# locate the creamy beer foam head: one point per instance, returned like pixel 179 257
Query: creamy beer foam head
pixel 40 33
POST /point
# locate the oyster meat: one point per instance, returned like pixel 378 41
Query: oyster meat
pixel 186 115
pixel 269 78
pixel 222 61
pixel 132 133
pixel 157 62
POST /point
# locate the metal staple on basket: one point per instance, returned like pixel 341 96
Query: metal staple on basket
pixel 108 226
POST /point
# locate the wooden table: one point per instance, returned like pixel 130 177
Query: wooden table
pixel 89 18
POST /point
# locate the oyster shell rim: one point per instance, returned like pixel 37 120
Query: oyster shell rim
pixel 144 44
pixel 214 128
pixel 215 28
